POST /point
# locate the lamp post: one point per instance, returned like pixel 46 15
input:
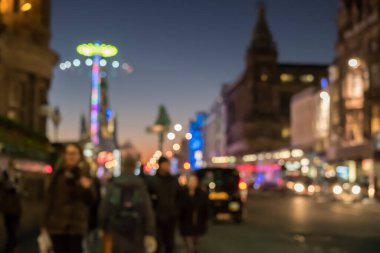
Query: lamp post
pixel 98 52
pixel 56 119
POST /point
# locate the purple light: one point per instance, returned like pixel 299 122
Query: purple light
pixel 95 95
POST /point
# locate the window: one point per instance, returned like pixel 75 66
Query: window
pixel 307 78
pixel 15 97
pixel 16 6
pixel 285 98
pixel 375 75
pixel 264 77
pixel 13 115
pixel 286 78
pixel 285 133
pixel 373 45
pixel 375 121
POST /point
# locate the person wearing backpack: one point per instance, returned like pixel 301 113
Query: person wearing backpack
pixel 10 207
pixel 126 214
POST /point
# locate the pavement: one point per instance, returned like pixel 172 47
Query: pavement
pixel 288 224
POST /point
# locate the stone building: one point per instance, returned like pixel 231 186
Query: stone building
pixel 258 104
pixel 26 61
pixel 355 89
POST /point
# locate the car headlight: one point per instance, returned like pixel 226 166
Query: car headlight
pixel 356 189
pixel 298 187
pixel 337 189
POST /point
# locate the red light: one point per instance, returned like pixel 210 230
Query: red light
pixel 243 185
pixel 48 169
pixel 186 166
pixel 102 158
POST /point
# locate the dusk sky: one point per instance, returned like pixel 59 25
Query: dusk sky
pixel 182 52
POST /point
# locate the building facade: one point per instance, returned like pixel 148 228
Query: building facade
pixel 355 90
pixel 310 117
pixel 26 61
pixel 215 131
pixel 258 104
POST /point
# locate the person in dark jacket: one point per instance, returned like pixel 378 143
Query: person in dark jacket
pixel 71 194
pixel 11 208
pixel 164 189
pixel 126 215
pixel 193 214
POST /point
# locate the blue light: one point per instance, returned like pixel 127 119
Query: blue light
pixel 196 143
pixel 108 113
pixel 324 83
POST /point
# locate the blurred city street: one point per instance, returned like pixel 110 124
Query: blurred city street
pixel 290 224
pixel 251 126
pixel 299 224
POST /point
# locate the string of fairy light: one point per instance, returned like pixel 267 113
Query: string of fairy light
pixel 77 63
pixel 89 50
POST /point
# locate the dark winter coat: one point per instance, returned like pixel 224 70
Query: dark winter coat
pixel 194 213
pixel 107 210
pixel 10 196
pixel 68 203
pixel 164 190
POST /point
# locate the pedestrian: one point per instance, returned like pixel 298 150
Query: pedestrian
pixel 193 214
pixel 164 189
pixel 126 215
pixel 71 194
pixel 93 235
pixel 11 209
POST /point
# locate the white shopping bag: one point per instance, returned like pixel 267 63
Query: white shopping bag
pixel 44 243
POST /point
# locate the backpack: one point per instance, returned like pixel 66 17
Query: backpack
pixel 128 212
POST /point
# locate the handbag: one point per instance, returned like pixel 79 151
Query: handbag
pixel 45 244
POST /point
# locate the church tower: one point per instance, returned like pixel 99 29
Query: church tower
pixel 26 61
pixel 261 63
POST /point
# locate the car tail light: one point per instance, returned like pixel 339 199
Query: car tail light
pixel 243 185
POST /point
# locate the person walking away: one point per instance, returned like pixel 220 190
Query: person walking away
pixel 71 194
pixel 93 235
pixel 10 207
pixel 126 215
pixel 193 214
pixel 164 189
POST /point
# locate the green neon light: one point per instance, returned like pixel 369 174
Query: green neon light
pixel 91 49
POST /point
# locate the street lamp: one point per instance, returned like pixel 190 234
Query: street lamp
pixel 178 127
pixel 171 136
pixel 56 119
pixel 353 63
pixel 161 126
pixel 176 147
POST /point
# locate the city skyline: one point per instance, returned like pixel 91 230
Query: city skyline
pixel 168 57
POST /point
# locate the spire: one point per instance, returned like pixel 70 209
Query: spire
pixel 262 36
pixel 262 40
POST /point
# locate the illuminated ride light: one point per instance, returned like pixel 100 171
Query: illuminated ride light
pixel 91 49
pixel 95 100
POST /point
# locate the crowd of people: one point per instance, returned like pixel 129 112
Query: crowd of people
pixel 130 214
